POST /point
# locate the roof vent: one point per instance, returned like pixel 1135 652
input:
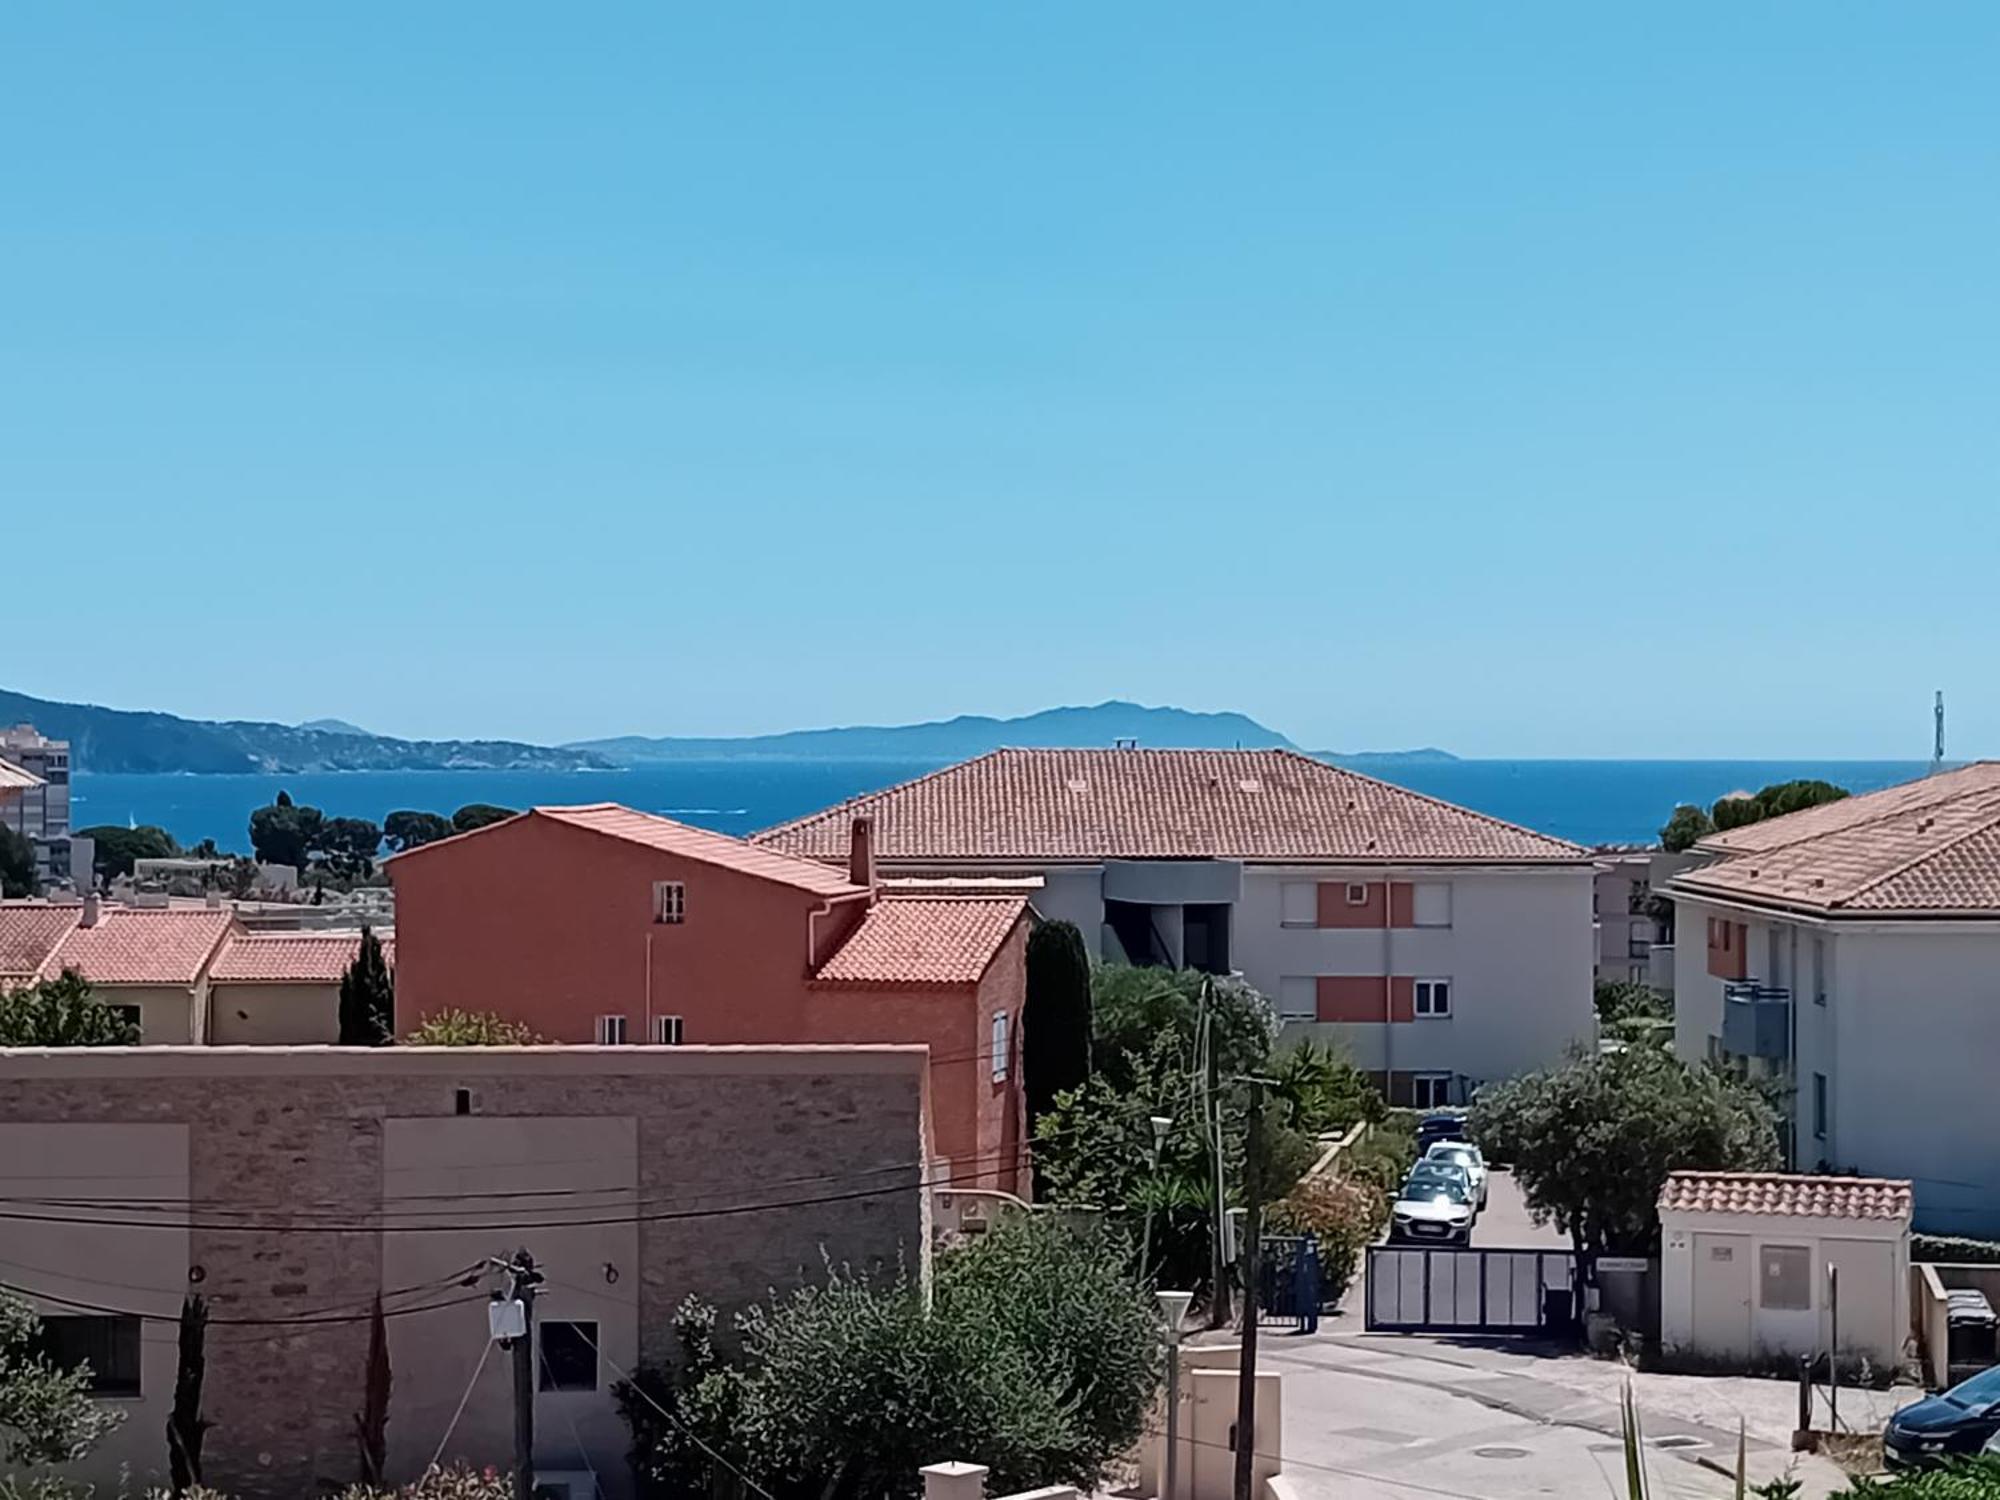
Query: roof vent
pixel 1249 784
pixel 1077 784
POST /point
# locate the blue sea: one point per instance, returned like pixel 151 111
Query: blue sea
pixel 1589 801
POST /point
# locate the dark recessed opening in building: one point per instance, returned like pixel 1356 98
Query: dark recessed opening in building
pixel 462 1102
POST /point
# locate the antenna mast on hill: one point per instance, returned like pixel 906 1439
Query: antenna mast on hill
pixel 1937 751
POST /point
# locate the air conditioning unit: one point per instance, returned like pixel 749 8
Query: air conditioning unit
pixel 565 1484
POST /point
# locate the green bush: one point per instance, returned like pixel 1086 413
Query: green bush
pixel 1951 1249
pixel 1344 1214
pixel 1973 1479
pixel 1037 1357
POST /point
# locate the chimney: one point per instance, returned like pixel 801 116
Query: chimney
pixel 90 911
pixel 861 853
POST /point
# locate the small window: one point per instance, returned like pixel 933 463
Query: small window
pixel 129 1014
pixel 1784 1283
pixel 569 1356
pixel 669 902
pixel 1000 1058
pixel 1299 904
pixel 109 1345
pixel 1430 1090
pixel 1298 999
pixel 1433 997
pixel 1357 895
pixel 1819 1106
pixel 461 1101
pixel 667 1031
pixel 1430 904
pixel 610 1031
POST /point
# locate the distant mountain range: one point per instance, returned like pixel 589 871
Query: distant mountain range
pixel 969 734
pixel 114 740
pixel 110 739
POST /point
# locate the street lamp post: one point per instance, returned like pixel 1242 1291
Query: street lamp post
pixel 1161 1125
pixel 1174 1305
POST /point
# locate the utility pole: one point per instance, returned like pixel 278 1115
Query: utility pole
pixel 1253 1226
pixel 1218 1259
pixel 524 1278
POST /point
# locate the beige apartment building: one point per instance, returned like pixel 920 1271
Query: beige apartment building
pixel 34 794
pixel 1852 952
pixel 1441 947
pixel 290 1187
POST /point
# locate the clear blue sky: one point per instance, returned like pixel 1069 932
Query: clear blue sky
pixel 1526 380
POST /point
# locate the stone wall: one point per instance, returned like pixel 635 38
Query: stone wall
pixel 754 1167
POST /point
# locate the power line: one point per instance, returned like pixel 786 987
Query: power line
pixel 692 1436
pixel 485 1349
pixel 1001 1161
pixel 304 1320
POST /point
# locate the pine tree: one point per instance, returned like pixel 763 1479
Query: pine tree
pixel 367 997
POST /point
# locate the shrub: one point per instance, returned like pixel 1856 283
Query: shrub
pixel 1037 1358
pixel 1951 1249
pixel 471 1028
pixel 61 1012
pixel 1344 1214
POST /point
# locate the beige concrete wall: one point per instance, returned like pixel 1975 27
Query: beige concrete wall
pixel 167 1013
pixel 264 1015
pixel 133 1177
pixel 322 1176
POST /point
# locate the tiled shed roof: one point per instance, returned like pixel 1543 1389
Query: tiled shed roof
pixel 1926 848
pixel 1270 805
pixel 291 957
pixel 130 945
pixel 29 932
pixel 664 834
pixel 921 940
pixel 1795 1194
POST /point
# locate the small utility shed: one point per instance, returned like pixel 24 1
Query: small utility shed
pixel 1745 1265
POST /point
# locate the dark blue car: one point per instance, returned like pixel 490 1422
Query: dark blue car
pixel 1956 1424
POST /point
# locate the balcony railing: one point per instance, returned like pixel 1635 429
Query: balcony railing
pixel 1757 1020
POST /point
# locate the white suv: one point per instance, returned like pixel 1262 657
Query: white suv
pixel 1463 1154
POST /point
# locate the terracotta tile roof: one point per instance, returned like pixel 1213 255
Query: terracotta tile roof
pixel 923 940
pixel 1268 805
pixel 29 932
pixel 664 834
pixel 15 778
pixel 132 945
pixel 1796 1194
pixel 1926 848
pixel 291 957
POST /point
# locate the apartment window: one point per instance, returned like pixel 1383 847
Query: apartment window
pixel 1430 1090
pixel 1298 998
pixel 1784 1279
pixel 109 1345
pixel 667 1031
pixel 1298 904
pixel 1357 894
pixel 1819 971
pixel 569 1355
pixel 1430 904
pixel 999 1046
pixel 1433 997
pixel 1819 1106
pixel 610 1031
pixel 669 902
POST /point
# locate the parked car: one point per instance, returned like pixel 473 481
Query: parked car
pixel 1433 1212
pixel 1440 1125
pixel 1466 1155
pixel 1960 1422
pixel 1429 1173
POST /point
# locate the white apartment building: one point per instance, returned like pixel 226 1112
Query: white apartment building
pixel 1635 939
pixel 37 807
pixel 1440 947
pixel 1852 951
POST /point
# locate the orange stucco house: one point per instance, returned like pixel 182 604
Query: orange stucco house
pixel 602 925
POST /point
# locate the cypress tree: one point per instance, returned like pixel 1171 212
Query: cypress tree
pixel 367 997
pixel 1056 1020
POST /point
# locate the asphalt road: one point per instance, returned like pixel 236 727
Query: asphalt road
pixel 1505 1225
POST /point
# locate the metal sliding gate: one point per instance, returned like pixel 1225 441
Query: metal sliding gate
pixel 1416 1290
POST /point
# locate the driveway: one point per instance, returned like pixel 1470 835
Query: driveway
pixel 1504 1223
